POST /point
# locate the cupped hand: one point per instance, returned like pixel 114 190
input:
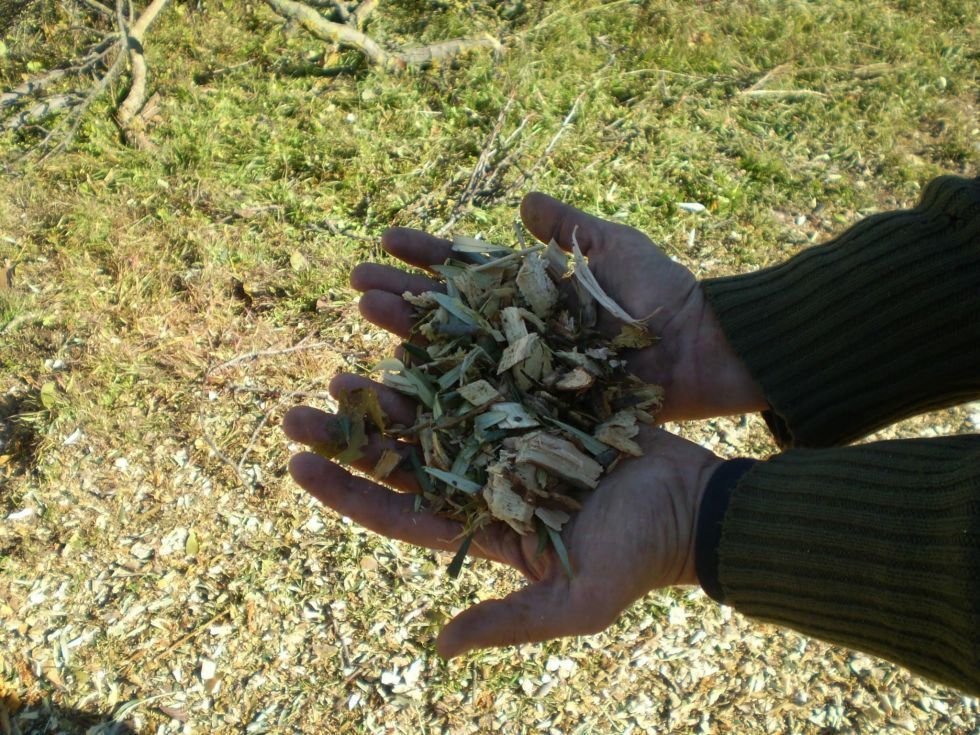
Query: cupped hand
pixel 635 531
pixel 701 375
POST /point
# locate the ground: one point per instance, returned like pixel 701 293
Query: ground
pixel 160 310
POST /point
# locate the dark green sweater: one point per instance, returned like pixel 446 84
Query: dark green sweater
pixel 877 546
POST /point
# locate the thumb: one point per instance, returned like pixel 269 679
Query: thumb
pixel 534 613
pixel 548 219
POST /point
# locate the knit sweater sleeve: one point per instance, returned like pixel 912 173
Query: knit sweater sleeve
pixel 879 324
pixel 875 547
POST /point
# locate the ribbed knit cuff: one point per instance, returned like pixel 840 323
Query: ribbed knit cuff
pixel 878 324
pixel 711 514
pixel 875 547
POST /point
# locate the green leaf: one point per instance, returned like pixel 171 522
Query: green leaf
pixel 191 545
pixel 419 356
pixel 49 395
pixel 463 244
pixel 424 482
pixel 592 445
pixel 455 481
pixel 456 565
pixel 560 550
pixel 542 540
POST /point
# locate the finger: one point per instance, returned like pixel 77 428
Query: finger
pixel 399 409
pixel 388 311
pixel 374 276
pixel 310 426
pixel 538 612
pixel 549 219
pixel 375 507
pixel 415 247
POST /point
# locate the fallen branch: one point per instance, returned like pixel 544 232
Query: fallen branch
pixel 128 44
pixel 349 36
pixel 38 84
pixel 128 115
pixel 782 93
pixel 45 108
pixel 360 15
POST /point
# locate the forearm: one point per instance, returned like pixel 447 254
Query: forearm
pixel 875 547
pixel 881 323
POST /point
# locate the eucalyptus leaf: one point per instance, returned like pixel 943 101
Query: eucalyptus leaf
pixel 560 550
pixel 457 481
pixel 456 565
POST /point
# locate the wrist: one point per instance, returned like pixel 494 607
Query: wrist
pixel 699 481
pixel 713 503
pixel 726 383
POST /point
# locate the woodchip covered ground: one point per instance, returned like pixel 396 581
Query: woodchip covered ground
pixel 160 573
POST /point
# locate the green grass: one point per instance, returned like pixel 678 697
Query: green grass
pixel 139 269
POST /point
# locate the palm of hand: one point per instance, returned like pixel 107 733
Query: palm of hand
pixel 692 361
pixel 636 530
pixel 634 533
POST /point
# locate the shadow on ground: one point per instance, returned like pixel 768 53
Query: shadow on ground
pixel 46 717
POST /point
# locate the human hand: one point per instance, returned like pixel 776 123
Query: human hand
pixel 634 533
pixel 701 375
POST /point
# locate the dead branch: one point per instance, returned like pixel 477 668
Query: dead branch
pixel 565 124
pixel 349 36
pixel 361 13
pixel 98 7
pixel 479 171
pixel 45 108
pixel 128 114
pixel 35 86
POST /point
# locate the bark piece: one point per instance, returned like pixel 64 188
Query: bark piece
pixel 479 392
pixel 536 286
pixel 561 458
pixel 619 431
pixel 504 503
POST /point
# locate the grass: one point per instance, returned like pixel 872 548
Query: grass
pixel 137 270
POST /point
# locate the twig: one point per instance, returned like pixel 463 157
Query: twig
pixel 565 124
pixel 45 108
pixel 138 655
pixel 93 58
pixel 478 171
pixel 79 111
pixel 782 93
pixel 448 423
pixel 320 396
pixel 761 81
pixel 98 7
pixel 255 435
pixel 225 459
pixel 507 258
pixel 264 353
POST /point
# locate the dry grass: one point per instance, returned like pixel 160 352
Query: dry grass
pixel 146 579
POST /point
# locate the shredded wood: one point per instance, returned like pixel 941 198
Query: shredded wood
pixel 522 403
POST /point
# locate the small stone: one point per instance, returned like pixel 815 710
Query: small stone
pixel 141 551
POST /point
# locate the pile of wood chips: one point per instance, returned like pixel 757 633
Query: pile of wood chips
pixel 522 404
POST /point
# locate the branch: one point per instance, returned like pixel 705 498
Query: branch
pixel 332 32
pixel 38 84
pixel 346 35
pixel 128 113
pixel 51 105
pixel 362 12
